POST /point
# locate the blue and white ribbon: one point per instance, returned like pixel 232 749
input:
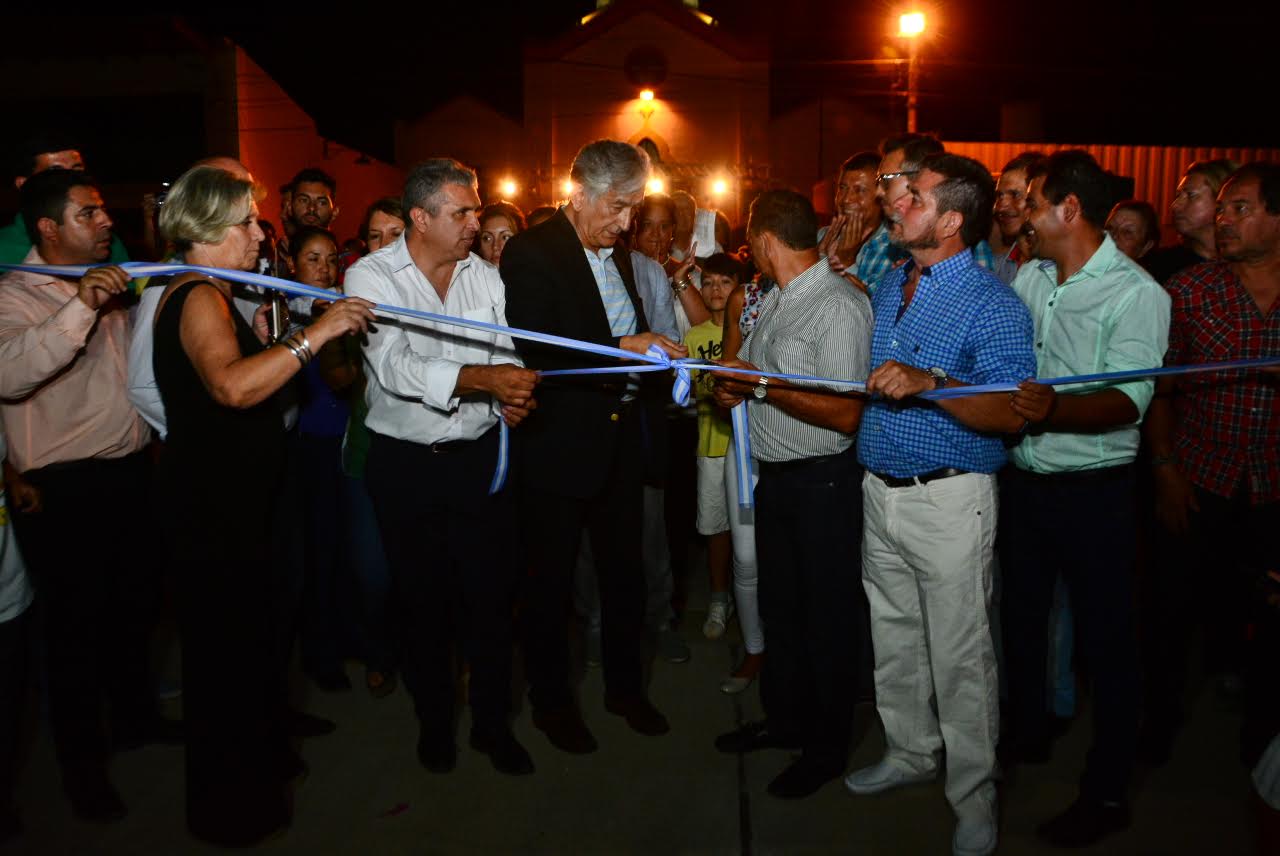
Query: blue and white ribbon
pixel 653 360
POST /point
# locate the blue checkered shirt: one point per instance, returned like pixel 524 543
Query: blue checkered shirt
pixel 965 321
pixel 876 257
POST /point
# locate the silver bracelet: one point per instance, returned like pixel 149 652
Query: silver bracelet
pixel 303 342
pixel 295 350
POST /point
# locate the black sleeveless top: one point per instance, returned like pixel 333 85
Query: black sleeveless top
pixel 235 450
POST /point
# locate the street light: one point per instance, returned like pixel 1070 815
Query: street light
pixel 508 188
pixel 655 185
pixel 719 187
pixel 567 186
pixel 911 27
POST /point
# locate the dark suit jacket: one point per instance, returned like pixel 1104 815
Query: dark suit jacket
pixel 567 443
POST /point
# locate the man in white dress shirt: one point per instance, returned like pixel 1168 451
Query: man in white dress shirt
pixel 435 396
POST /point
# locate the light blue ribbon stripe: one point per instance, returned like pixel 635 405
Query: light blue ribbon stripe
pixel 742 453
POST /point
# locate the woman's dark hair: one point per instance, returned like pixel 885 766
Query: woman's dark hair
pixel 503 209
pixel 304 235
pixel 389 205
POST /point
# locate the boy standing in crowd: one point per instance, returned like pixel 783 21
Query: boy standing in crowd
pixel 720 275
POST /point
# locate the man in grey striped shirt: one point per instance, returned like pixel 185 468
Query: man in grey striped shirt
pixel 808 500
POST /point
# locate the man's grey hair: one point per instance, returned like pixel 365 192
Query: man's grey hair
pixel 426 182
pixel 610 165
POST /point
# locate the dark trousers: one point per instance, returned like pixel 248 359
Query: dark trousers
pixel 325 627
pixel 450 547
pixel 1082 526
pixel 14 655
pixel 812 604
pixel 1204 577
pixel 553 528
pixel 100 592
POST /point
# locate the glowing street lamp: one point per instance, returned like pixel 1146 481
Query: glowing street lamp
pixel 646 104
pixel 508 188
pixel 655 185
pixel 719 187
pixel 567 186
pixel 910 24
pixel 911 27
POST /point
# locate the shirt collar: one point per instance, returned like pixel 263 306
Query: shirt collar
pixel 806 281
pixel 1099 263
pixel 399 258
pixel 603 255
pixel 946 268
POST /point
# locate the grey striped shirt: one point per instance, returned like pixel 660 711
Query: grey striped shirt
pixel 818 325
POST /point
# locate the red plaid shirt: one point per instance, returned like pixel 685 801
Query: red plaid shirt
pixel 1227 433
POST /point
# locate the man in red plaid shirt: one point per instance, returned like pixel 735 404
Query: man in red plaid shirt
pixel 1215 449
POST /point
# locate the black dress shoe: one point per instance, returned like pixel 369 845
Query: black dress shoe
pixel 753 736
pixel 299 724
pixel 566 730
pixel 92 796
pixel 642 716
pixel 803 778
pixel 504 751
pixel 1085 823
pixel 438 755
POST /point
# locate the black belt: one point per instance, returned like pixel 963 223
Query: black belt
pixel 1116 473
pixel 923 478
pixel 798 463
pixel 446 447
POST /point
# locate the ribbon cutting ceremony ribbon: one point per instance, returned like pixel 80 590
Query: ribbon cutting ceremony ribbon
pixel 654 360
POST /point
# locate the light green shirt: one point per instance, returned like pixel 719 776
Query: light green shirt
pixel 1108 316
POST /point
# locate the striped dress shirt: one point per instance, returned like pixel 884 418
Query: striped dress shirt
pixel 816 325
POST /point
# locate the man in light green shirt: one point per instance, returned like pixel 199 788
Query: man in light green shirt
pixel 1067 504
pixel 1107 316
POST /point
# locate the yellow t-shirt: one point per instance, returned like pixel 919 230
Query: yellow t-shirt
pixel 714 432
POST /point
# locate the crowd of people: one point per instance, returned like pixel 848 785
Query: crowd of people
pixel 964 559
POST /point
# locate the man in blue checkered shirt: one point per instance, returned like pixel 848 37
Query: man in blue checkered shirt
pixel 929 495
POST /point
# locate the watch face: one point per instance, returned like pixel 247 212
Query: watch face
pixel 760 391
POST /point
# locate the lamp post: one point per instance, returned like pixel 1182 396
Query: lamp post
pixel 911 27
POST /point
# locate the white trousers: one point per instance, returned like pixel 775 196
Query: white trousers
pixel 742 526
pixel 927 556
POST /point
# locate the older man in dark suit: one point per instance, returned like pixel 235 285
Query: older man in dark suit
pixel 581 451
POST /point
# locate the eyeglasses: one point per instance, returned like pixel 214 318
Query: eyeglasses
pixel 881 178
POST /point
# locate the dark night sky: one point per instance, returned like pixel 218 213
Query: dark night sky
pixel 1104 72
pixel 1114 72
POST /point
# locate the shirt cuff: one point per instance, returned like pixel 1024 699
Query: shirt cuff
pixel 74 320
pixel 442 380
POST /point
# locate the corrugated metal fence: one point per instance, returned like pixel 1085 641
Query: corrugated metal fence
pixel 1155 170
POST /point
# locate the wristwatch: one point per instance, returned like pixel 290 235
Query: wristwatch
pixel 940 377
pixel 762 388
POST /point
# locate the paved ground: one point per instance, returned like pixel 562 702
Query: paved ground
pixel 673 794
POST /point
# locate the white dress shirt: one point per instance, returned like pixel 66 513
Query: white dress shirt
pixel 414 365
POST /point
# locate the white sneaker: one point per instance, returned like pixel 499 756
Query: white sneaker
pixel 717 618
pixel 975 834
pixel 882 777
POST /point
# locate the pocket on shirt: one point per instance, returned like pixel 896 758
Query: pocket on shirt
pixel 478 343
